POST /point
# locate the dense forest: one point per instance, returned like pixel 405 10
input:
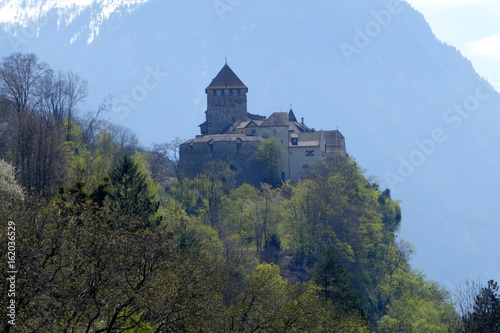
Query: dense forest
pixel 110 237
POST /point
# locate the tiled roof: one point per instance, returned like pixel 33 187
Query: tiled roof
pixel 299 127
pixel 277 119
pixel 222 138
pixel 248 123
pixel 256 116
pixel 226 79
pixel 306 139
pixel 242 124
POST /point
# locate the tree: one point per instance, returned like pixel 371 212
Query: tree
pixel 61 94
pixel 164 160
pixel 159 163
pixel 21 80
pixel 269 304
pixel 90 125
pixel 239 219
pixel 485 314
pixel 417 305
pixel 215 183
pixel 36 146
pixel 77 91
pixel 270 153
pixel 9 188
pixel 130 194
pixel 124 139
pixel 334 279
pixel 82 269
pixel 38 152
pixel 270 204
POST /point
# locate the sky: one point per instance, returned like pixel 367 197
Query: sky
pixel 472 26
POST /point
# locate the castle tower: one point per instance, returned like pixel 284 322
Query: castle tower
pixel 226 102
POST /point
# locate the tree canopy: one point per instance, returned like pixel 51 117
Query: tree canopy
pixel 111 238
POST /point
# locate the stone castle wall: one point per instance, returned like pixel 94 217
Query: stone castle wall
pixel 237 153
pixel 224 108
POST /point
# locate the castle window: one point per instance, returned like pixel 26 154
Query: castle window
pixel 222 92
pixel 238 92
pixel 295 141
pixel 230 92
pixel 214 92
pixel 309 152
pixel 305 166
pixel 282 174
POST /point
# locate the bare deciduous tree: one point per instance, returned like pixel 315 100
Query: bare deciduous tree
pixel 91 123
pixel 21 80
pixel 61 94
pixel 164 160
pixel 38 153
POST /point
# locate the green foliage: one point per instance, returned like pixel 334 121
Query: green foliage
pixel 332 276
pixel 216 181
pixel 319 254
pixel 418 306
pixel 130 194
pixel 90 168
pixel 270 153
pixel 197 269
pixel 269 304
pixel 82 269
pixel 241 206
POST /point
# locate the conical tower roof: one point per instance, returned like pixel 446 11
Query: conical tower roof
pixel 226 79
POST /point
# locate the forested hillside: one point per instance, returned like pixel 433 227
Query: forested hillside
pixel 109 236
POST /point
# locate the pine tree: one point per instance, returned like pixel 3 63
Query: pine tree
pixel 130 194
pixel 486 315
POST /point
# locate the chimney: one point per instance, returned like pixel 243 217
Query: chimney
pixel 302 120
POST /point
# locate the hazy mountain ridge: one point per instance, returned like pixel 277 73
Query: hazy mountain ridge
pixel 23 16
pixel 395 91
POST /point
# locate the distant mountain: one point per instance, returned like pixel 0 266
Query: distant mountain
pixel 24 18
pixel 413 110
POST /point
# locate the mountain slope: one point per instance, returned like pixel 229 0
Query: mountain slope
pixel 399 99
pixel 25 18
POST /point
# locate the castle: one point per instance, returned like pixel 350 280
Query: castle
pixel 232 135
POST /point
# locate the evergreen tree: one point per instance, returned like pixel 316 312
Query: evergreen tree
pixel 130 194
pixel 486 315
pixel 334 279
